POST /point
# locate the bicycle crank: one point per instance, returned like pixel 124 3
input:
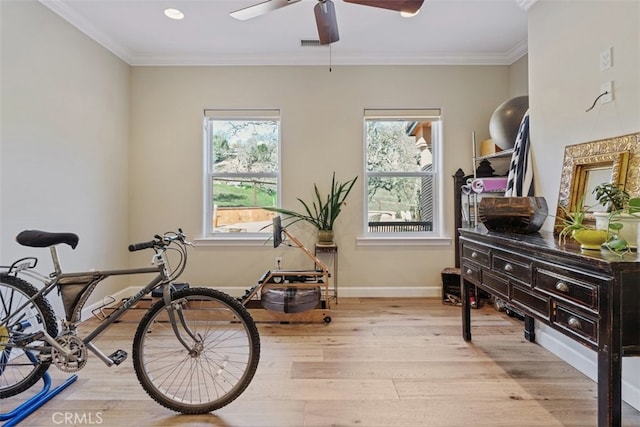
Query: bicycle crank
pixel 76 356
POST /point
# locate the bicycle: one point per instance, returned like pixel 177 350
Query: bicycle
pixel 194 351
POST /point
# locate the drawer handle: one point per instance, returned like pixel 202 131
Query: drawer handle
pixel 469 271
pixel 574 323
pixel 508 267
pixel 562 287
pixel 474 254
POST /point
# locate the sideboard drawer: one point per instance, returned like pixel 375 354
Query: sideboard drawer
pixel 496 285
pixel 576 324
pixel 585 294
pixel 471 272
pixel 515 267
pixel 527 300
pixel 476 254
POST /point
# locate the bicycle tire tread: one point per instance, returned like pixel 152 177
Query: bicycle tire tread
pixel 252 365
pixel 50 325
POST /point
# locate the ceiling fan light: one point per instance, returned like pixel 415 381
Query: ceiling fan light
pixel 174 14
pixel 409 14
pixel 326 22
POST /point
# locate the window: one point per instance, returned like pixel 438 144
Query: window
pixel 241 171
pixel 402 172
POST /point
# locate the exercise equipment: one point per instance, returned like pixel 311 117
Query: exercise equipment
pixel 291 295
pixel 32 404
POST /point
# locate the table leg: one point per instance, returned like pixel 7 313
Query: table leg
pixel 466 310
pixel 529 328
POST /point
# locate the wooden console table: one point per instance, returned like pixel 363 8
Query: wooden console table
pixel 592 297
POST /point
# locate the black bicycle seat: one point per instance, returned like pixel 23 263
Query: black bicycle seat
pixel 43 239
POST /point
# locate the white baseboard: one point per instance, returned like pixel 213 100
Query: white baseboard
pixel 350 292
pixel 370 292
pixel 586 361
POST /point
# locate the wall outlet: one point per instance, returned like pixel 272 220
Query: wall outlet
pixel 278 262
pixel 605 59
pixel 606 87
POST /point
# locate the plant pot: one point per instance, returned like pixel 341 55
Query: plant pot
pixel 590 239
pixel 629 230
pixel 325 237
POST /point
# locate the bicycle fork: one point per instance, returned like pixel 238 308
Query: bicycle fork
pixel 176 307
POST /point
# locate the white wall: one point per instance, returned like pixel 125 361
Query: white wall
pixel 322 116
pixel 63 141
pixel 565 41
pixel 519 77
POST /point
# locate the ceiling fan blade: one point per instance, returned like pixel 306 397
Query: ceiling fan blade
pixel 261 9
pixel 408 6
pixel 325 12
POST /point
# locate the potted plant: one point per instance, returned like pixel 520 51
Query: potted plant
pixel 621 216
pixel 589 237
pixel 322 211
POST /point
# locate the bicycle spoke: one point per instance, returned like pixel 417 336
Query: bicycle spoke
pixel 217 365
pixel 20 318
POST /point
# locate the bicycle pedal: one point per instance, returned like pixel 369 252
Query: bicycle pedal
pixel 118 356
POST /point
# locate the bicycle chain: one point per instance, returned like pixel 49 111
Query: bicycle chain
pixel 76 360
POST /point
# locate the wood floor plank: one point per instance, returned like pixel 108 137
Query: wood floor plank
pixel 381 362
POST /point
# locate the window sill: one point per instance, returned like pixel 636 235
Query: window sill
pixel 233 241
pixel 403 241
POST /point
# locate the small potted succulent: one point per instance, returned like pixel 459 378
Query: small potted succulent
pixel 589 237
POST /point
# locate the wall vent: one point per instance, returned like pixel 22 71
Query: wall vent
pixel 308 43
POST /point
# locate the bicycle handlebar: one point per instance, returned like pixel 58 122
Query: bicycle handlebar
pixel 144 245
pixel 160 241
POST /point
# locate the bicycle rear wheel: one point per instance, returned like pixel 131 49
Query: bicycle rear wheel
pixel 221 358
pixel 20 366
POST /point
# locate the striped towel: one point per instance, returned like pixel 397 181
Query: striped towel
pixel 520 179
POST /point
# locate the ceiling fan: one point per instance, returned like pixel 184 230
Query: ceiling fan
pixel 325 12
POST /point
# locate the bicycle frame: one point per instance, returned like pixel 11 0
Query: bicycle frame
pixel 72 313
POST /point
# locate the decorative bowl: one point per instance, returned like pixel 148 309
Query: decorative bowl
pixel 590 239
pixel 522 215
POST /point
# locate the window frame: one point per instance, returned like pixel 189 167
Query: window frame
pixel 209 236
pixel 435 236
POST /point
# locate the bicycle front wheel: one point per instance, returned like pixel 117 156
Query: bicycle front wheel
pixel 213 364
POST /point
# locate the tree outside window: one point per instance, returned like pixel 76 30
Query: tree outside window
pixel 401 172
pixel 242 152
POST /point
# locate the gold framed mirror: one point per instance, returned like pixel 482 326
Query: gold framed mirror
pixel 615 160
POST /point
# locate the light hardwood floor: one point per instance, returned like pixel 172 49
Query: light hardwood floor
pixel 380 363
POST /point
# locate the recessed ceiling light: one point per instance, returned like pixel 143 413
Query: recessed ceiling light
pixel 174 13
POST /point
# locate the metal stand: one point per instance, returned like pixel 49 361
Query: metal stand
pixel 30 406
pixel 332 250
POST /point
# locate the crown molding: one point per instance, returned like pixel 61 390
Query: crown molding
pixel 79 22
pixel 526 4
pixel 319 56
pixel 322 56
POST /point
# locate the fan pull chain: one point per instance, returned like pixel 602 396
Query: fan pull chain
pixel 329 57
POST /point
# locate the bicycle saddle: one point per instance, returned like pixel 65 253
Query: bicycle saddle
pixel 43 239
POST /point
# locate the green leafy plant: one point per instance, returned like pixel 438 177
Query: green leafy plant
pixel 611 196
pixel 323 209
pixel 617 202
pixel 572 221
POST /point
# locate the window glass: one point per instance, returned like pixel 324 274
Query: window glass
pixel 242 171
pixel 401 170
